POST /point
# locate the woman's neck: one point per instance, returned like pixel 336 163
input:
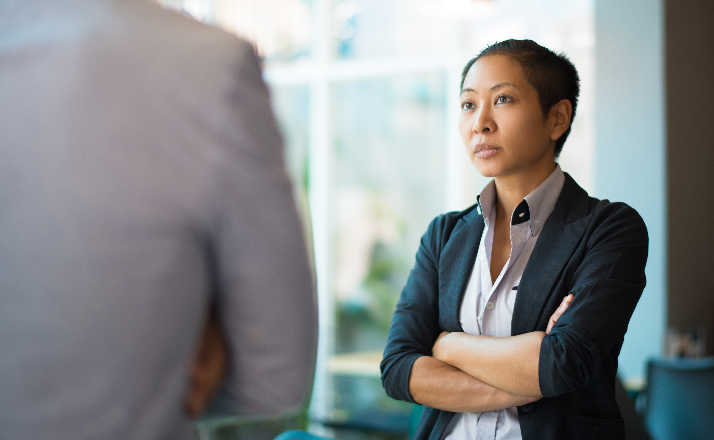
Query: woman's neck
pixel 511 189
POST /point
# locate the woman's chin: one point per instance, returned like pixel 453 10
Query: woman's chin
pixel 486 169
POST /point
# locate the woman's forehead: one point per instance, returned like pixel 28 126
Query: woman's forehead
pixel 492 70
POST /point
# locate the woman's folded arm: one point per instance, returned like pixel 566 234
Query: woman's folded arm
pixel 439 385
pixel 509 363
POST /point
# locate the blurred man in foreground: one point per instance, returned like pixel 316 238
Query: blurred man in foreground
pixel 142 184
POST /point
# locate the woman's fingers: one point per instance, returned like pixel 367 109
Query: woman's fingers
pixel 559 311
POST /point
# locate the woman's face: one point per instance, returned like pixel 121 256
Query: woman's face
pixel 502 124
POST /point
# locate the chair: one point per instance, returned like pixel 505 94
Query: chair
pixel 680 398
pixel 298 435
pixel 414 419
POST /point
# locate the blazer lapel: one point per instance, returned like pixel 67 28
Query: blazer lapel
pixel 555 245
pixel 455 266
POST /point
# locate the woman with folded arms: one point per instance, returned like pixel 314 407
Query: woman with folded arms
pixel 513 316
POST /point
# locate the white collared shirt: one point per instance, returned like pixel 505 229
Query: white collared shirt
pixel 487 307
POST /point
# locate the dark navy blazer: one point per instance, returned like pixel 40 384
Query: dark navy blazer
pixel 593 248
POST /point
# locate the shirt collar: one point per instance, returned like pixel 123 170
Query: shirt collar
pixel 541 200
pixel 486 199
pixel 536 206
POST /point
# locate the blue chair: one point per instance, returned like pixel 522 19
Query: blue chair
pixel 299 435
pixel 414 419
pixel 680 398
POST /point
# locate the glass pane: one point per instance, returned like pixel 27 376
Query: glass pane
pixel 387 182
pixel 423 28
pixel 291 105
pixel 379 29
pixel 282 30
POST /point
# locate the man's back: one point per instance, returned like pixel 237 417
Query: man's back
pixel 141 178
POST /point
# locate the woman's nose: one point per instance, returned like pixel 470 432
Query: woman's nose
pixel 483 121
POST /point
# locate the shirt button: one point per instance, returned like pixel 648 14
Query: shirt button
pixel 490 306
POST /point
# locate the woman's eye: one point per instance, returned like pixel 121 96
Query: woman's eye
pixel 466 106
pixel 503 99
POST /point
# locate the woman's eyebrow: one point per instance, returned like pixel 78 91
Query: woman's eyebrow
pixel 503 84
pixel 493 87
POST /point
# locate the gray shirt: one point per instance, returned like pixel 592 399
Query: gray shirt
pixel 141 179
pixel 487 306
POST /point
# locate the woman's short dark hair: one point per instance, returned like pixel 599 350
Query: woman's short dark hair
pixel 552 75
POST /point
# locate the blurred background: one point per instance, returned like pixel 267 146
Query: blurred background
pixel 366 93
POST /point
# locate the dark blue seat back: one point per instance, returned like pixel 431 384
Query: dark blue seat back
pixel 299 435
pixel 680 398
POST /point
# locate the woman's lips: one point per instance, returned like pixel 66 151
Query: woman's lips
pixel 485 151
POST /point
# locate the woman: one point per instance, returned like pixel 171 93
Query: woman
pixel 478 336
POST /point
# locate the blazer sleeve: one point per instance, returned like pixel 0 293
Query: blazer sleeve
pixel 607 286
pixel 414 326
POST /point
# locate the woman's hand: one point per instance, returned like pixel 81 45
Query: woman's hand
pixel 437 347
pixel 559 312
pixel 440 348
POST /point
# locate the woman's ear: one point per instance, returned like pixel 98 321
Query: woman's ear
pixel 559 118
